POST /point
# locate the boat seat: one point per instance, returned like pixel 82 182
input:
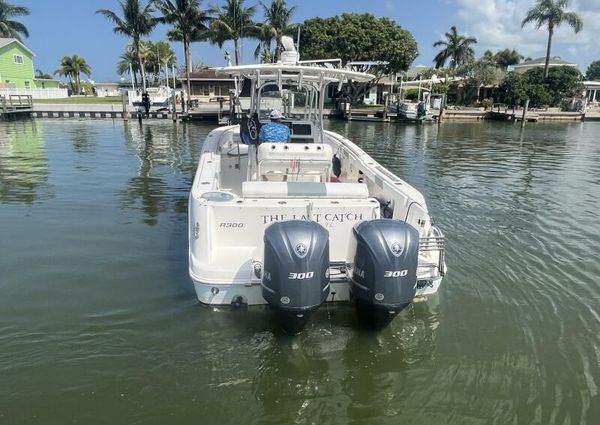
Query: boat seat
pixel 272 189
pixel 298 151
pixel 299 162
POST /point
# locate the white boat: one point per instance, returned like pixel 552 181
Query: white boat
pixel 316 220
pixel 415 111
pixel 160 98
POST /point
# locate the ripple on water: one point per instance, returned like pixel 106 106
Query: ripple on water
pixel 99 320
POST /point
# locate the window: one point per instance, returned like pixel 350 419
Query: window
pixel 18 59
pixel 27 86
pixel 200 90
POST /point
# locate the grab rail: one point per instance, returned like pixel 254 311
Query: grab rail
pixel 435 243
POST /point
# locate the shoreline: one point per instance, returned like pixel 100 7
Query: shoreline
pixel 210 113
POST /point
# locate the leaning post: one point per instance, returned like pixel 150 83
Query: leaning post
pixel 174 103
pixel 524 118
pixel 125 101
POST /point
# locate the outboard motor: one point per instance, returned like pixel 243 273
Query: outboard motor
pixel 384 271
pixel 295 278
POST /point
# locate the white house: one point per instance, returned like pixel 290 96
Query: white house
pixel 540 62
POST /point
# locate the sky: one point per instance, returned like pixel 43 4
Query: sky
pixel 65 27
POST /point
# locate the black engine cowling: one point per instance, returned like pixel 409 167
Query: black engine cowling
pixel 384 272
pixel 295 278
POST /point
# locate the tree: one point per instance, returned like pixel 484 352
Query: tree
pixel 188 20
pixel 129 62
pixel 232 22
pixel 552 13
pixel 593 71
pixel 481 73
pixel 277 21
pixel 8 27
pixel 456 48
pixel 488 56
pixel 137 22
pixel 72 67
pixel 359 37
pixel 505 58
pixel 263 49
pixel 562 81
pixel 156 55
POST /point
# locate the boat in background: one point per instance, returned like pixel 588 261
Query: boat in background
pixel 160 98
pixel 294 225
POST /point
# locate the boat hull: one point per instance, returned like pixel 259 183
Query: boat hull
pixel 226 294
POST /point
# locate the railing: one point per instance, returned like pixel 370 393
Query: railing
pixel 36 93
pixel 16 102
pixel 435 243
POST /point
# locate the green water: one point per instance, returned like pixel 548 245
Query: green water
pixel 99 323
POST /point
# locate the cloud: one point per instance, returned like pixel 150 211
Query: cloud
pixel 497 25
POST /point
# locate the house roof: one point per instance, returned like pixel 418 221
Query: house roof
pixel 109 83
pixel 556 60
pixel 415 71
pixel 206 74
pixel 6 41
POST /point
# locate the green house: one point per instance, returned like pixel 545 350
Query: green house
pixel 16 67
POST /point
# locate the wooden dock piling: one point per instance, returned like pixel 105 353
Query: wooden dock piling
pixel 525 108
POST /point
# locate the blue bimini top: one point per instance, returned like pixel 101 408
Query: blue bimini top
pixel 274 132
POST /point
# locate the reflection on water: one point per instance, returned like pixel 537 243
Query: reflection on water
pixel 23 162
pixel 99 322
pixel 161 151
pixel 83 137
pixel 144 188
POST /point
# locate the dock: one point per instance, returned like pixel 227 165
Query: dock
pixel 16 105
pixel 592 115
pixel 501 112
pixel 23 106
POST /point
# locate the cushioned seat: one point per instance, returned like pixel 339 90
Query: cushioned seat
pixel 294 162
pixel 270 189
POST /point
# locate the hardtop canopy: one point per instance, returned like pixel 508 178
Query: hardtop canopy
pixel 294 73
pixel 312 79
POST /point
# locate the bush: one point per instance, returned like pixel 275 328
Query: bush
pixel 487 103
pixel 440 88
pixel 411 94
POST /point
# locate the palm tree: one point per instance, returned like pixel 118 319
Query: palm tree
pixel 505 58
pixel 129 63
pixel 233 22
pixel 80 66
pixel 277 18
pixel 42 75
pixel 488 56
pixel 156 55
pixel 72 67
pixel 263 48
pixel 457 48
pixel 8 27
pixel 137 21
pixel 552 13
pixel 188 21
pixel 66 70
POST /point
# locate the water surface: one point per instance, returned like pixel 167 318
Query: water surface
pixel 99 323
